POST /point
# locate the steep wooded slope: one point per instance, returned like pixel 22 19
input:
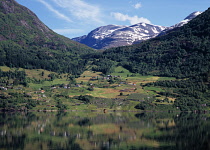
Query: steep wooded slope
pixel 26 42
pixel 182 52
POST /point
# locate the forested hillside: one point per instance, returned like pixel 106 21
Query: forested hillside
pixel 183 53
pixel 26 42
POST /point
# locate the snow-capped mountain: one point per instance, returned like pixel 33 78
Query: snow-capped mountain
pixel 135 33
pixel 99 37
pixel 183 22
pixel 115 35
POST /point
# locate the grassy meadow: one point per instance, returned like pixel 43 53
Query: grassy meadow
pixel 121 90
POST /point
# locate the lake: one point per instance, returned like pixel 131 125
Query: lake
pixel 104 131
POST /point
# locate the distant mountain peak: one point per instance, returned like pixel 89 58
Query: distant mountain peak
pixel 193 15
pixel 188 18
pixel 105 31
pixel 117 35
pixel 181 23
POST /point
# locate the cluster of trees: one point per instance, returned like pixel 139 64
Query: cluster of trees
pixel 85 98
pixel 13 74
pixel 18 77
pixel 105 66
pixel 191 94
pixel 16 101
pixel 61 106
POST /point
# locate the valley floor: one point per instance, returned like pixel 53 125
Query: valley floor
pixel 45 90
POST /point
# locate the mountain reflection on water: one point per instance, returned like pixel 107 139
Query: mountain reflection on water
pixel 96 131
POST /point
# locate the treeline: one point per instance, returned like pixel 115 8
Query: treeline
pixel 13 74
pixel 13 55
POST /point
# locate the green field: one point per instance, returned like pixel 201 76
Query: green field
pixel 120 85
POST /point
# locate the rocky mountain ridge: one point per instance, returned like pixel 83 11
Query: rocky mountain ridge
pixel 115 35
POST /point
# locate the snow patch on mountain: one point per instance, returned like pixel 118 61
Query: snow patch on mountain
pixel 116 35
pixel 183 22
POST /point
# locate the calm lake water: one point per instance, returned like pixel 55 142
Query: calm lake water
pixel 101 131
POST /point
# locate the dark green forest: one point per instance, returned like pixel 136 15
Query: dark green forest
pixel 26 42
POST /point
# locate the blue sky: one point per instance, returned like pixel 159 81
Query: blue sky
pixel 73 18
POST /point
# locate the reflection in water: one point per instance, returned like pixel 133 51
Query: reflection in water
pixel 82 130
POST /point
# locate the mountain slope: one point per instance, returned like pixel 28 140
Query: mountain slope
pixel 182 52
pixel 26 42
pixel 113 35
pixel 183 22
pixel 99 37
pixel 187 19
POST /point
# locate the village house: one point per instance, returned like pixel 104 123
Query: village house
pixel 42 91
pixel 3 88
pixel 77 85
